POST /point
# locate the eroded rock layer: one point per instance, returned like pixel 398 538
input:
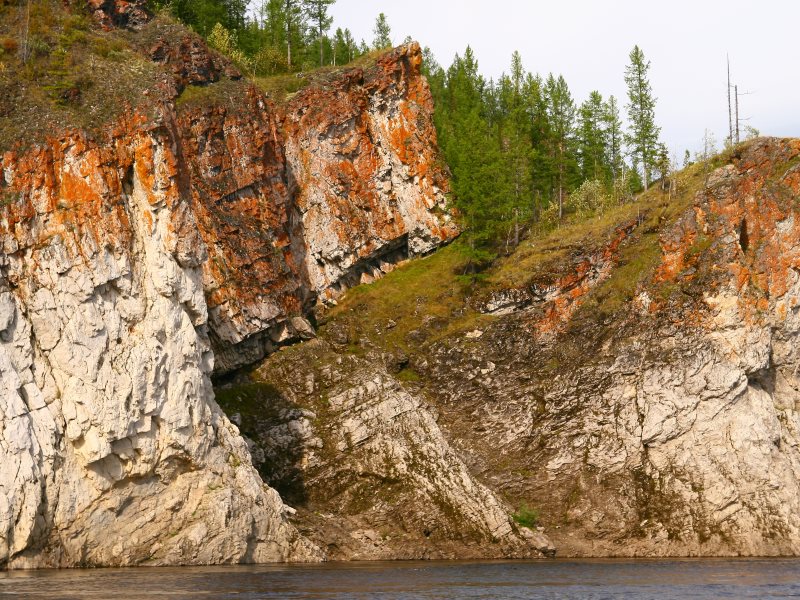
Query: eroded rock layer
pixel 366 463
pixel 127 261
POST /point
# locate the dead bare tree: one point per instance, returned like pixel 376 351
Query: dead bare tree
pixel 26 32
pixel 730 116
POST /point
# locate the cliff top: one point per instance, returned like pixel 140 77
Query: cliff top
pixel 84 64
pixel 67 72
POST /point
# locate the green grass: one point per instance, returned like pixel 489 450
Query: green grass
pixel 408 375
pixel 250 399
pixel 544 249
pixel 425 295
pixel 226 93
pixel 281 88
pixel 429 297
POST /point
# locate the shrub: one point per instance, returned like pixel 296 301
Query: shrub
pixel 591 197
pixel 225 42
pixel 526 516
pixel 270 61
pixel 8 45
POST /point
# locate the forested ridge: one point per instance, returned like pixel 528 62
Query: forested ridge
pixel 270 37
pixel 521 150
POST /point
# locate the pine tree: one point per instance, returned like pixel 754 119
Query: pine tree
pixel 316 11
pixel 382 33
pixel 514 126
pixel 642 137
pixel 344 47
pixel 350 42
pixel 294 19
pixel 591 138
pixel 561 114
pixel 275 23
pixel 612 130
pixel 540 132
pixel 472 149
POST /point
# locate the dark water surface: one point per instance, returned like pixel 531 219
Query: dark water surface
pixel 585 579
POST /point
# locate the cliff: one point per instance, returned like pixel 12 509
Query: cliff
pixel 189 234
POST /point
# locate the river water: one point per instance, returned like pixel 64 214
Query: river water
pixel 583 579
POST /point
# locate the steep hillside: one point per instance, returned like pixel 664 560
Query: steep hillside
pixel 630 379
pixel 152 243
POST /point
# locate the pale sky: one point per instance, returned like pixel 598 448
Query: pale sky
pixel 589 41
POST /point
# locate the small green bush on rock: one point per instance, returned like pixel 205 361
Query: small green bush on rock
pixel 526 516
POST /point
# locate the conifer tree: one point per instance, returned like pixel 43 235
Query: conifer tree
pixel 352 47
pixel 642 136
pixel 294 20
pixel 561 113
pixel 472 149
pixel 514 124
pixel 539 130
pixel 382 33
pixel 612 130
pixel 316 11
pixel 591 138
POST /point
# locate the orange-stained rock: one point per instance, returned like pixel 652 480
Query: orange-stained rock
pixel 177 246
pixel 361 154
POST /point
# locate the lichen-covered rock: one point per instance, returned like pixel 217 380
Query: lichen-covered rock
pixel 121 454
pixel 361 153
pixel 670 426
pixel 132 14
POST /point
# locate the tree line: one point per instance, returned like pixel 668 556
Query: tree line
pixel 521 150
pixel 270 37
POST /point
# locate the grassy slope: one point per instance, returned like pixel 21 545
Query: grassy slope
pixel 79 76
pixel 281 88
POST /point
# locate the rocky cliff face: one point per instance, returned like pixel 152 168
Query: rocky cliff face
pixel 185 242
pixel 366 463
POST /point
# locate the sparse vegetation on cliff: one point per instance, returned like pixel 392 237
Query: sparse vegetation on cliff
pixel 526 516
pixel 59 70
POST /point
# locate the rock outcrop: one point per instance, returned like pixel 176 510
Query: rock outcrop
pixel 364 461
pixel 667 425
pixel 634 383
pixel 128 260
pixel 369 191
